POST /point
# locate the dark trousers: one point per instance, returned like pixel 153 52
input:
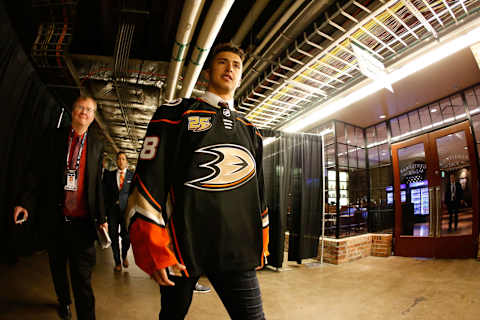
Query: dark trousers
pixel 75 244
pixel 116 219
pixel 239 292
pixel 452 212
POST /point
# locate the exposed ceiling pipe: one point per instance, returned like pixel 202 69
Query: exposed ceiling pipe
pixel 215 17
pixel 291 32
pixel 186 27
pixel 280 10
pixel 274 30
pixel 249 20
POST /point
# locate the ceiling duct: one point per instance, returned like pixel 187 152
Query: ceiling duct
pixel 215 17
pixel 120 74
pixel 249 20
pixel 186 28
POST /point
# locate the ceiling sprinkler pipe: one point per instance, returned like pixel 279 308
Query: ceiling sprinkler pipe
pixel 186 28
pixel 213 22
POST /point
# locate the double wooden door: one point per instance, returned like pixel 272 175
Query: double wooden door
pixel 429 221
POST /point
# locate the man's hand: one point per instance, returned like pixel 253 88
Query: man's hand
pixel 161 277
pixel 104 226
pixel 20 214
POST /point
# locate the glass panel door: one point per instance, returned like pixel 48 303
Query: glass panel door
pixel 456 184
pixel 414 194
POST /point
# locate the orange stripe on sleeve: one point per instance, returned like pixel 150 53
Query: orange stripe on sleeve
pixel 150 246
pixel 172 228
pixel 148 193
pixel 244 122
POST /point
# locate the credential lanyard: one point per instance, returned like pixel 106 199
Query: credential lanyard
pixel 77 164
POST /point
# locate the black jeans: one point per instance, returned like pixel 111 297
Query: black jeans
pixel 116 218
pixel 75 244
pixel 239 292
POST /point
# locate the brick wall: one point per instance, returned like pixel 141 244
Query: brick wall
pixel 338 251
pixel 381 245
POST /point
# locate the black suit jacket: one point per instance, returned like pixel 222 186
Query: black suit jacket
pixel 458 194
pixel 43 195
pixel 112 194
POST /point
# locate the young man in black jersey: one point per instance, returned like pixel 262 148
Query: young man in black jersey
pixel 198 205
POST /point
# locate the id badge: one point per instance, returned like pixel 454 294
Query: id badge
pixel 71 184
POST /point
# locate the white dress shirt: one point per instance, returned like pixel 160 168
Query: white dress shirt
pixel 213 100
pixel 118 176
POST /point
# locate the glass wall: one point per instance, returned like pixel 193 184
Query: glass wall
pixel 358 165
pixel 381 212
pixel 346 177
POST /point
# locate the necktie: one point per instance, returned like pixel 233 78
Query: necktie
pixel 76 149
pixel 222 104
pixel 122 178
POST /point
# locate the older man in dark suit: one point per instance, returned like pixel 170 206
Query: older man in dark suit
pixel 66 182
pixel 117 186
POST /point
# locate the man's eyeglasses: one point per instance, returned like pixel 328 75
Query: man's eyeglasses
pixel 86 109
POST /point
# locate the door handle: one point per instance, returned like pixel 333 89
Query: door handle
pixel 438 207
pixel 431 211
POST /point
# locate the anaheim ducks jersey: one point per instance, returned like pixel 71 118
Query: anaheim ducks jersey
pixel 199 198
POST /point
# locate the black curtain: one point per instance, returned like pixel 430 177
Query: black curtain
pixel 27 110
pixel 293 180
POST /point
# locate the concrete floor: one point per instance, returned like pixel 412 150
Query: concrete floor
pixel 371 288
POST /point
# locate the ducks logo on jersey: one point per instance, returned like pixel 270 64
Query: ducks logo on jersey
pixel 232 167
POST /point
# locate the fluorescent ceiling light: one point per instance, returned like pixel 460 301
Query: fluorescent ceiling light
pixel 382 116
pixel 457 41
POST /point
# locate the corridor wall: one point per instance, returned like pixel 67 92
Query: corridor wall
pixel 28 109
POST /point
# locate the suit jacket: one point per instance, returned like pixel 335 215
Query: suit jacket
pixel 458 194
pixel 44 188
pixel 113 196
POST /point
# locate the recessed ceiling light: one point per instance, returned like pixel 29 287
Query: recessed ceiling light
pixel 382 116
pixel 466 148
pixel 433 110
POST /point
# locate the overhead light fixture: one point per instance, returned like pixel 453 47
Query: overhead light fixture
pixel 445 47
pixel 433 110
pixel 382 116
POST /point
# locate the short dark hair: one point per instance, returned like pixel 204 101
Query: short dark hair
pixel 121 152
pixel 225 47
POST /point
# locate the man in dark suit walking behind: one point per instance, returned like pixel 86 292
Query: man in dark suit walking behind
pixel 117 186
pixel 453 198
pixel 66 183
